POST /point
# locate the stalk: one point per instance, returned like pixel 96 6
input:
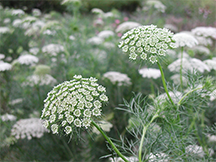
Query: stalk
pixel 110 142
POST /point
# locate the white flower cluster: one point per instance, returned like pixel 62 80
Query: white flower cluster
pixel 183 39
pixel 117 77
pixel 72 104
pixel 106 34
pixel 147 42
pixel 125 26
pixel 157 5
pixel 211 64
pixel 119 159
pixel 102 14
pixel 17 12
pixel 188 64
pixel 29 128
pixel 40 80
pixel 197 150
pixel 150 73
pixel 205 31
pixel 4 66
pixel 8 117
pixel 159 157
pixel 27 59
pixel 53 49
pixel 4 30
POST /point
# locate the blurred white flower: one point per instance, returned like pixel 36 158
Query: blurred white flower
pixel 119 159
pixel 212 95
pixel 40 80
pixel 125 26
pixel 205 31
pixel 95 40
pixel 8 117
pixel 39 23
pixel 33 30
pixel 29 19
pixel 159 157
pixel 17 12
pixel 105 126
pixel 53 49
pixel 109 45
pixel 49 32
pixel 15 101
pixel 211 64
pixel 157 5
pixel 98 22
pixel 97 11
pixel 204 41
pixel 188 64
pixel 34 50
pixel 105 34
pixel 2 56
pixel 117 77
pixel 184 39
pixel 176 79
pixel 176 96
pixel 211 138
pixel 197 150
pixel 36 12
pixel 4 66
pixel 17 23
pixel 71 37
pixel 27 59
pixel 201 49
pixel 7 21
pixel 171 27
pixel 4 30
pixel 150 73
pixel 29 128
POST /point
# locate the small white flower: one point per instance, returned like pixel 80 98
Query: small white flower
pixel 68 129
pixel 8 117
pixel 125 26
pixel 77 123
pixel 54 128
pixel 96 112
pixel 27 59
pixel 53 49
pixel 86 122
pixel 4 66
pixel 4 30
pixel 150 73
pixel 117 77
pixel 185 39
pixel 105 34
pixel 211 64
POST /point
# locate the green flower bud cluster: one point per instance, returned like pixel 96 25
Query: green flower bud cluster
pixel 72 104
pixel 147 42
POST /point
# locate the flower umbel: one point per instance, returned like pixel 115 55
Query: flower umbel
pixel 147 42
pixel 72 104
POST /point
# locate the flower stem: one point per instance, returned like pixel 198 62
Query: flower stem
pixel 110 142
pixel 164 83
pixel 179 103
pixel 181 81
pixel 143 134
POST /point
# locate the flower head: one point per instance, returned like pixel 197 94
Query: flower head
pixel 150 73
pixel 72 104
pixel 5 66
pixel 27 59
pixel 147 42
pixel 29 128
pixel 185 39
pixel 117 77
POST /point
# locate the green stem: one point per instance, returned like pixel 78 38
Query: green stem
pixel 179 103
pixel 143 134
pixel 181 81
pixel 152 88
pixel 164 83
pixel 110 142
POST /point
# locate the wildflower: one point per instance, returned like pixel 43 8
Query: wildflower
pixel 27 59
pixel 36 12
pixel 34 50
pixel 52 49
pixel 17 23
pixel 7 21
pixel 49 32
pixel 204 31
pixel 176 79
pixel 97 11
pixel 4 30
pixel 125 26
pixel 211 64
pixel 150 73
pixel 29 19
pixel 29 128
pixel 171 27
pixel 74 104
pixel 95 40
pixel 117 77
pixel 71 37
pixel 41 80
pixel 205 41
pixel 109 45
pixel 159 157
pixel 147 42
pixel 157 5
pixel 188 64
pixel 183 39
pixel 42 70
pixel 105 34
pixel 4 66
pixel 17 12
pixel 197 150
pixel 8 117
pixel 201 50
